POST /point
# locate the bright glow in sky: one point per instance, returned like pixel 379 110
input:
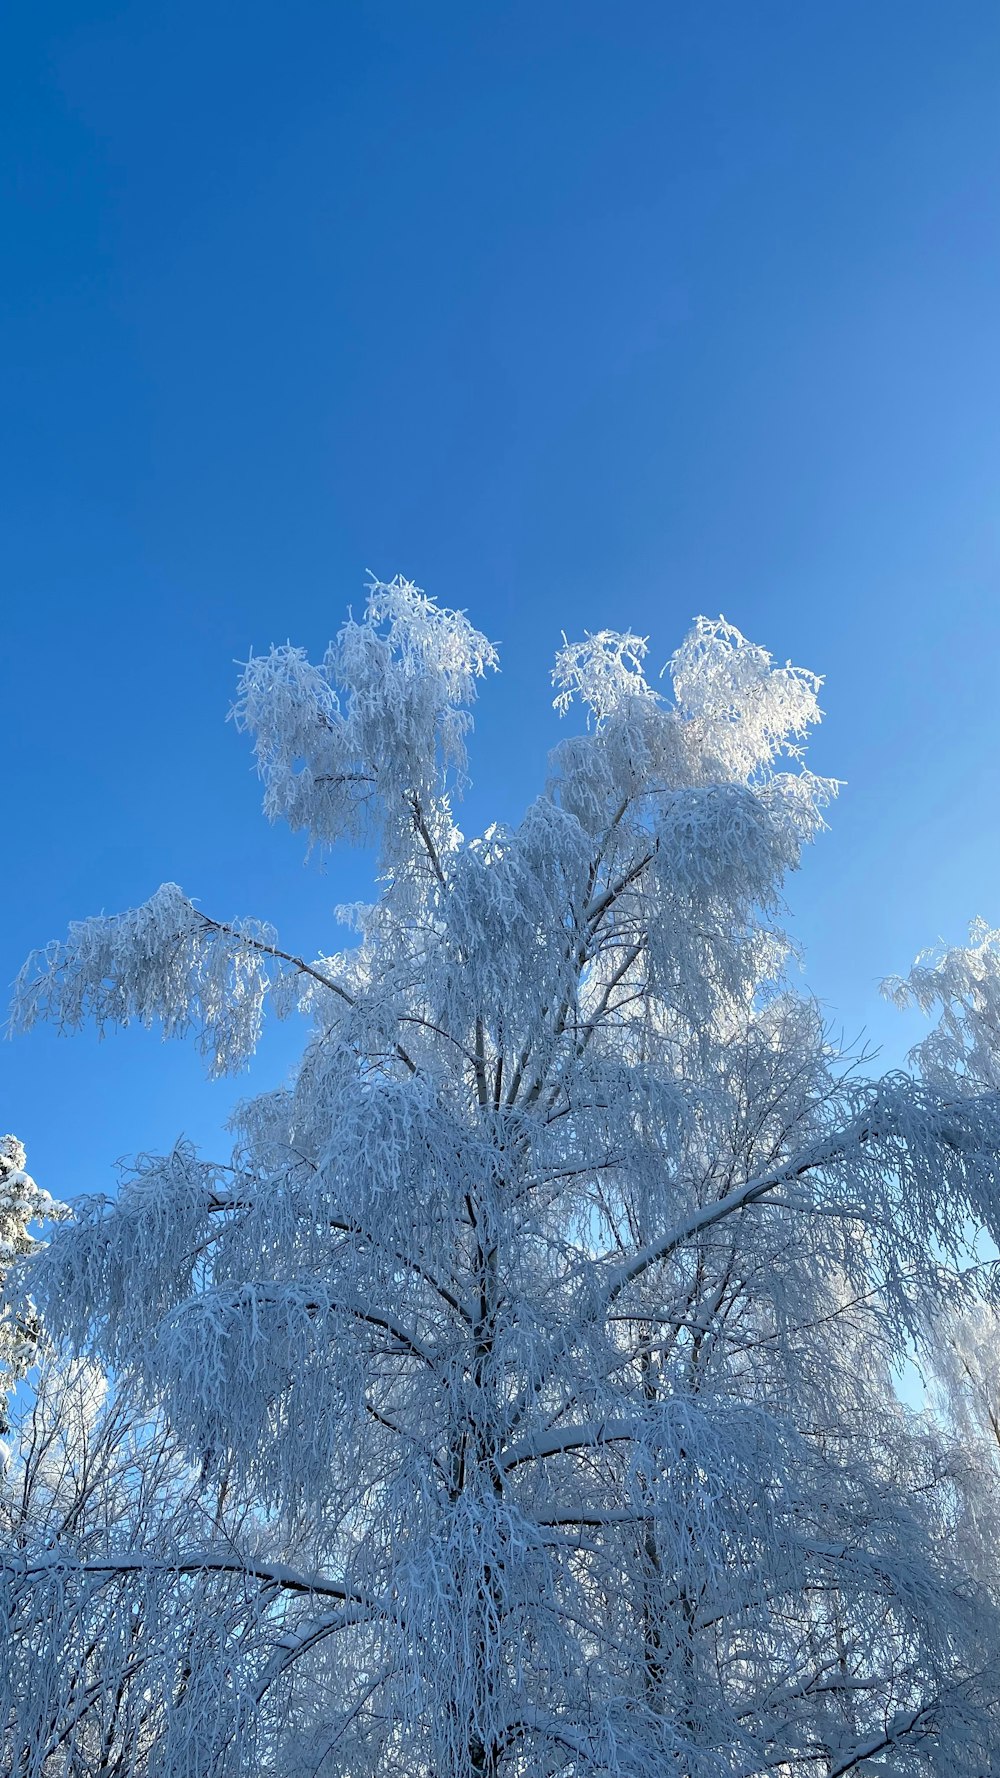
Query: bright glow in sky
pixel 578 314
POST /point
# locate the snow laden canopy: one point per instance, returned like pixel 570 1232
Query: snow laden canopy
pixel 551 1308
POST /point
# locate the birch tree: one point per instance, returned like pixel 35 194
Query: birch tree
pixel 556 1299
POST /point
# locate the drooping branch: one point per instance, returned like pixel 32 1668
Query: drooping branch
pixel 301 967
pixel 274 1574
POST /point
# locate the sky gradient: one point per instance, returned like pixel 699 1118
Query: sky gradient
pixel 579 315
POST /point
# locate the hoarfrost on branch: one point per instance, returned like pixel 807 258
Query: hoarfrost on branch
pixel 549 1316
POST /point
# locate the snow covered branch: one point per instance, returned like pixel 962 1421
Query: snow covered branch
pixel 521 1393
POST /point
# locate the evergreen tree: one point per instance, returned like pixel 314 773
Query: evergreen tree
pixel 22 1203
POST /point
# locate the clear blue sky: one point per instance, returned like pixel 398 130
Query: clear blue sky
pixel 579 314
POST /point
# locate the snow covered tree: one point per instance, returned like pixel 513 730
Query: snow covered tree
pixel 106 1640
pixel 22 1203
pixel 555 1302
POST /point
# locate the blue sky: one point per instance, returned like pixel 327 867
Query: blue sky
pixel 579 315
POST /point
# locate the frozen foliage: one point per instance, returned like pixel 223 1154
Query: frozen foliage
pixel 359 742
pixel 163 961
pixel 548 1316
pixel 962 983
